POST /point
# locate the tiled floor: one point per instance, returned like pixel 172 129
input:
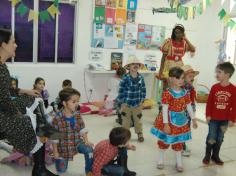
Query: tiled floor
pixel 143 161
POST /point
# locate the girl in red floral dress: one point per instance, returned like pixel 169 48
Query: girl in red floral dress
pixel 171 126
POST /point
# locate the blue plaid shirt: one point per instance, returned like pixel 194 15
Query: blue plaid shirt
pixel 132 91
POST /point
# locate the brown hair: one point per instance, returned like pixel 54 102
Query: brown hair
pixel 67 93
pixel 119 136
pixel 227 67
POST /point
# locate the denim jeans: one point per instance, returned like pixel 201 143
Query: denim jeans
pixel 112 169
pixel 217 129
pixel 88 155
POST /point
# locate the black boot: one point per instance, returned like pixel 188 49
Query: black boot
pixel 119 119
pixel 44 129
pixel 207 158
pixel 122 161
pixel 215 155
pixel 39 168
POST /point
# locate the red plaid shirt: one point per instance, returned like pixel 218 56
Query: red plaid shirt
pixel 104 152
pixel 67 146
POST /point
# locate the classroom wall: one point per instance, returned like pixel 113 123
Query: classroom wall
pixel 202 31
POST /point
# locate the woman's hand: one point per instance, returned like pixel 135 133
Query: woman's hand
pixel 34 93
pixel 167 129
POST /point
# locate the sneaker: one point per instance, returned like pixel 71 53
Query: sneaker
pixel 140 137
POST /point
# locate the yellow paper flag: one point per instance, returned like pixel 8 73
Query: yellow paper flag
pixel 32 15
pixel 14 2
pixel 190 13
pixel 226 19
pixel 53 10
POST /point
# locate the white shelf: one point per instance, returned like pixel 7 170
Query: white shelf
pixel 113 71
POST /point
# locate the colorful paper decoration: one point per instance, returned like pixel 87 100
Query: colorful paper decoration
pixel 111 3
pixel 99 14
pixel 45 15
pixel 121 16
pixel 121 4
pixel 110 15
pixel 131 16
pixel 132 4
pixel 228 22
pixel 189 12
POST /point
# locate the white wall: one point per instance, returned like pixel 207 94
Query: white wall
pixel 202 31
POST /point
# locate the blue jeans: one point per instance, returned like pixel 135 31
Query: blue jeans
pixel 88 155
pixel 112 169
pixel 217 129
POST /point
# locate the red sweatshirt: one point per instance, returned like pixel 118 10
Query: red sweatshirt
pixel 221 104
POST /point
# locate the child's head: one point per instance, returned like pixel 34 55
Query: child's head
pixel 224 71
pixel 119 136
pixel 69 98
pixel 39 84
pixel 134 67
pixel 120 72
pixel 14 83
pixel 178 32
pixel 176 76
pixel 67 84
pixel 189 74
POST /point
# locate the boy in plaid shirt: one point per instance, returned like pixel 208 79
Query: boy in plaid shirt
pixel 75 140
pixel 106 151
pixel 131 95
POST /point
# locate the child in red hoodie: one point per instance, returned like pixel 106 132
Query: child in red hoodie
pixel 220 111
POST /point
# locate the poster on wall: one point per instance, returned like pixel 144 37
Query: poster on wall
pixel 95 56
pixel 152 62
pixel 121 16
pixel 132 4
pixel 100 2
pixel 114 36
pixel 116 60
pixel 99 14
pixel 131 16
pixel 110 15
pixel 158 37
pixel 98 35
pixel 131 32
pixel 111 3
pixel 144 36
pixel 121 4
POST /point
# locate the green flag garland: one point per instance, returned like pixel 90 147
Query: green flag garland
pixel 45 15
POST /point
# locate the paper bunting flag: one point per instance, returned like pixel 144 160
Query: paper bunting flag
pixel 22 9
pixel 44 16
pixel 189 12
pixel 228 22
pixel 53 10
pixel 32 15
pixel 14 2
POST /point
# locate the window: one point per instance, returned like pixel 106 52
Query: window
pixel 231 45
pixel 49 42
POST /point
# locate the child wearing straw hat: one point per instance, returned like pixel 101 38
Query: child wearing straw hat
pixel 132 93
pixel 189 75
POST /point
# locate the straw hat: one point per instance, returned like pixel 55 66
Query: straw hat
pixel 133 60
pixel 188 69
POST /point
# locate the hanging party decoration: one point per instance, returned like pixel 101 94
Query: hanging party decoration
pixel 228 21
pixel 46 15
pixel 190 12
